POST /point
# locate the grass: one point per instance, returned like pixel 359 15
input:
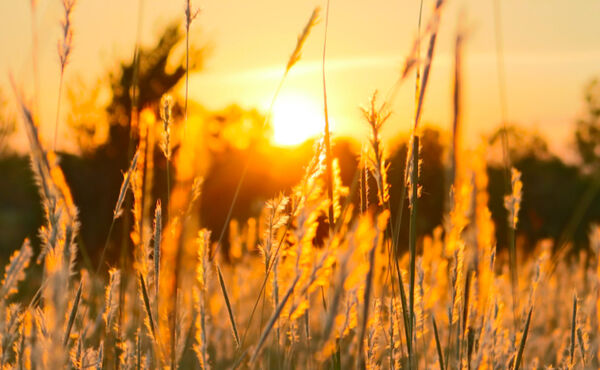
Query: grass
pixel 355 301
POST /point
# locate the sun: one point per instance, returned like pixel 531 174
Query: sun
pixel 295 119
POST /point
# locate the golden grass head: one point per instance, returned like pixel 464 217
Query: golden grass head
pixel 297 53
pixel 65 45
pixel 512 202
pixel 166 115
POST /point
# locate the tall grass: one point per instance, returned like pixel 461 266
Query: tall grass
pixel 355 301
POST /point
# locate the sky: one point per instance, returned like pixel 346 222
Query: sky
pixel 550 51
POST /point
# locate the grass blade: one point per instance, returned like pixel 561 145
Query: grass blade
pixel 147 305
pixel 412 236
pixel 157 241
pixel 581 346
pixel 429 60
pixel 73 314
pixel 519 358
pixel 573 326
pixel 229 310
pixel 438 344
pixel 366 300
pixel 124 186
pixel 273 319
pixel 326 136
pixel 404 310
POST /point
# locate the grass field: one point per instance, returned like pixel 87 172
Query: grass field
pixel 321 279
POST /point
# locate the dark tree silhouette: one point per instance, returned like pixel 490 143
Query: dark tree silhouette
pixel 95 177
pixel 587 134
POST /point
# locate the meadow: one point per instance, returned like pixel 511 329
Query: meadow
pixel 323 278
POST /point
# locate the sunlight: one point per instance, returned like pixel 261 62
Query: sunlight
pixel 296 119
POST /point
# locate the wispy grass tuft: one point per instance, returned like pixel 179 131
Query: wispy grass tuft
pixel 118 206
pixel 297 53
pixel 15 270
pixel 65 46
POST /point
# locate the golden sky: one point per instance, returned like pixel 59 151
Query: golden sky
pixel 551 49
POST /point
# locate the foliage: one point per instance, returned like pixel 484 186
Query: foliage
pixel 587 133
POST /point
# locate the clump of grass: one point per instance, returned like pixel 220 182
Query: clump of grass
pixel 15 270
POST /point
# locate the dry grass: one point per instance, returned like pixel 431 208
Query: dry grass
pixel 280 301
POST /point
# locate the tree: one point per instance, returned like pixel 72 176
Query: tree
pixel 587 133
pixel 7 126
pixel 522 143
pixel 155 72
pixel 151 75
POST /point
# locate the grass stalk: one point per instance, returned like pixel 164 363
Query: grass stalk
pixel 59 98
pixel 427 69
pixel 147 304
pixel 519 358
pixel 438 345
pixel 580 340
pixel 118 209
pixel 512 250
pixel 157 243
pixel 366 306
pixel 73 314
pixel 326 137
pixel 65 46
pixel 228 304
pixel 501 73
pixel 273 319
pixel 573 329
pixel 189 17
pixel 405 313
pixel 412 236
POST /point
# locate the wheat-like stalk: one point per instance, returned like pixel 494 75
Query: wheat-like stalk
pixel 65 46
pixel 15 270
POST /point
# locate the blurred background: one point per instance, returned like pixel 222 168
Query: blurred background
pixel 547 53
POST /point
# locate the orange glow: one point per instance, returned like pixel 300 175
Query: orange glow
pixel 295 119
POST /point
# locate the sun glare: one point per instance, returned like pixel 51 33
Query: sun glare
pixel 296 119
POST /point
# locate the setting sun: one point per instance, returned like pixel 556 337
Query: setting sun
pixel 295 119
